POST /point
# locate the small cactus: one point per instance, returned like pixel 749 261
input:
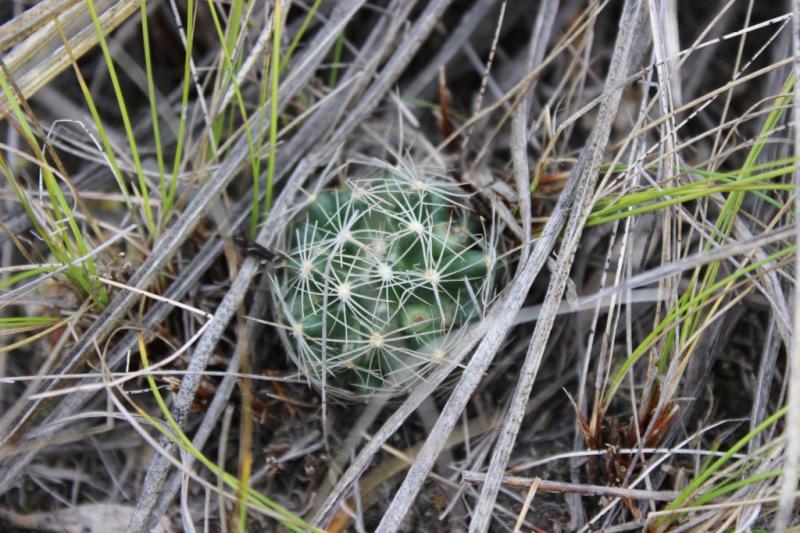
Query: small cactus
pixel 380 276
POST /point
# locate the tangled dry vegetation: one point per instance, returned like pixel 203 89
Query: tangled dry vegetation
pixel 564 300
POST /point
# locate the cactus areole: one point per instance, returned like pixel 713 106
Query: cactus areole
pixel 382 274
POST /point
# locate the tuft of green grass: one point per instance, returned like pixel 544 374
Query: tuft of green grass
pixel 227 38
pixel 147 207
pixel 55 223
pixel 705 474
pixel 703 295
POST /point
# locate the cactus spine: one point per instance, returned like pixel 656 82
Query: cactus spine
pixel 380 276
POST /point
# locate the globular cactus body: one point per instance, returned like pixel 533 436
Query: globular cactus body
pixel 380 276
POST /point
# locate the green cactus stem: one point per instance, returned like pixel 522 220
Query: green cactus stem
pixel 381 275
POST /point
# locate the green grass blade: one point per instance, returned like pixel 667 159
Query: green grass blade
pixel 333 77
pixel 26 321
pixel 176 165
pixel 704 475
pixel 273 119
pixel 300 33
pixel 13 279
pixel 682 310
pixel 229 68
pixel 151 96
pixel 112 72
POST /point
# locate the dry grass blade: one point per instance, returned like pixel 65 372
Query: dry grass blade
pixel 42 56
pixel 29 21
pixel 540 36
pixel 622 62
